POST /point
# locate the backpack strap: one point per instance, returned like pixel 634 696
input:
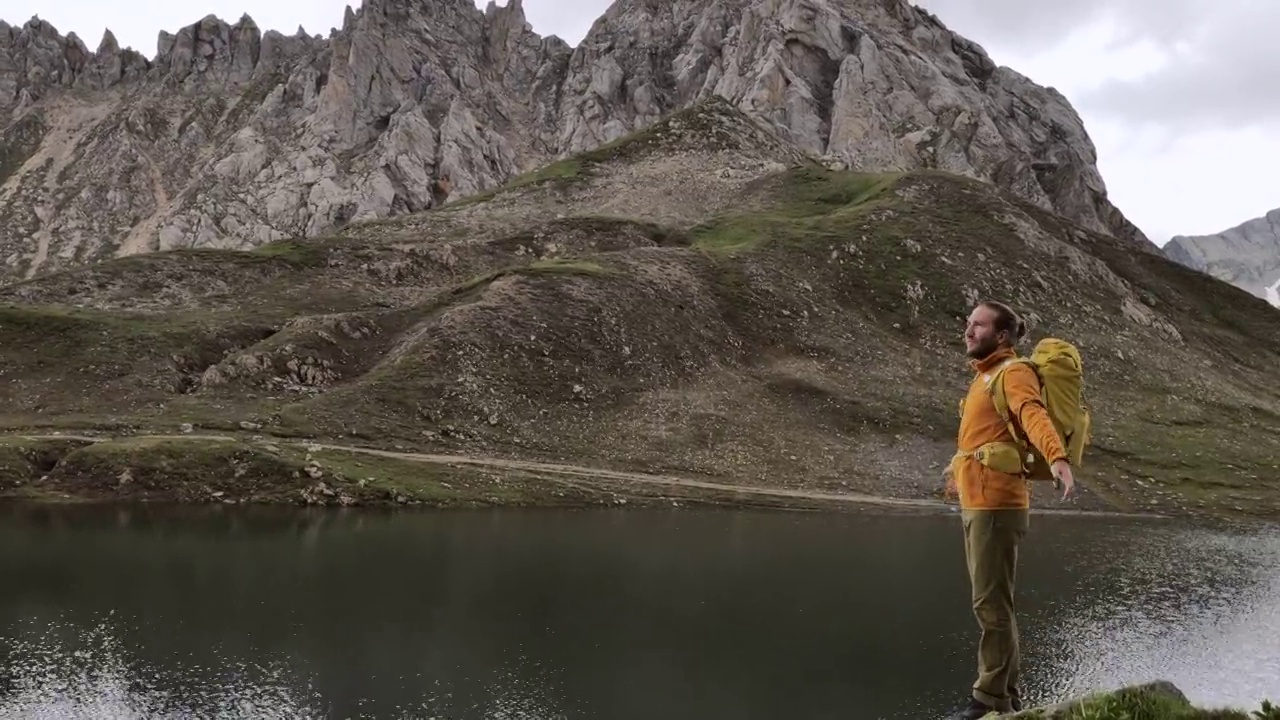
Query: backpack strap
pixel 995 388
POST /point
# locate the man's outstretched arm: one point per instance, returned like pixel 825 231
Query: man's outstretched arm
pixel 1022 389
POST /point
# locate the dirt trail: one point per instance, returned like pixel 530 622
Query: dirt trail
pixel 579 471
pixel 649 478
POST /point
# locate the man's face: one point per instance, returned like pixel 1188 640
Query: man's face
pixel 980 336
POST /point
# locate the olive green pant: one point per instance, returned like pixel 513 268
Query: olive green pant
pixel 991 539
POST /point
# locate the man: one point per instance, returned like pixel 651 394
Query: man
pixel 995 505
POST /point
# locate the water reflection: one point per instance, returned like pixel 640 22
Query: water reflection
pixel 263 613
pixel 62 669
pixel 1199 608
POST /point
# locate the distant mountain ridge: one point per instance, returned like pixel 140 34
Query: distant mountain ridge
pixel 233 138
pixel 1247 255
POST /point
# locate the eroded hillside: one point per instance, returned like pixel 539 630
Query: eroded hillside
pixel 697 299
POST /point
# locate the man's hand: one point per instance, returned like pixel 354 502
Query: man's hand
pixel 1062 473
pixel 949 477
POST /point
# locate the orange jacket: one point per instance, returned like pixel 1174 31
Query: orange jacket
pixel 980 487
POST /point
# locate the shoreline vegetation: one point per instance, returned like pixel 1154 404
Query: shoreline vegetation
pixel 1158 700
pixel 257 469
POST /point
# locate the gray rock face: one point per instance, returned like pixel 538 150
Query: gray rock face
pixel 874 84
pixel 1247 255
pixel 231 138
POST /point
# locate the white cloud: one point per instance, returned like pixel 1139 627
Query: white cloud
pixel 1169 180
pixel 1175 160
pixel 1221 73
pixel 570 19
pixel 1189 183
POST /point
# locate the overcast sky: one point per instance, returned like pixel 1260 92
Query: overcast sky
pixel 1182 97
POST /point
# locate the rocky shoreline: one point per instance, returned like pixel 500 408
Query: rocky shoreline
pixel 214 469
pixel 1158 700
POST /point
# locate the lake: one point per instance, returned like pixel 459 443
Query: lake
pixel 265 613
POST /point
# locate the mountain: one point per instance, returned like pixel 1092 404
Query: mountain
pixel 1247 255
pixel 723 249
pixel 702 301
pixel 230 138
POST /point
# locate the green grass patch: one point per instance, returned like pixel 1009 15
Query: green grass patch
pixel 805 205
pixel 56 320
pixel 611 225
pixel 81 367
pixel 25 461
pixel 553 266
pixel 175 456
pixel 199 470
pixel 710 125
pixel 85 340
pixel 735 234
pixel 561 171
pixel 266 280
pixel 298 252
pixel 813 190
pixel 428 483
pixel 1146 703
pixel 79 340
pixel 179 470
pixel 1219 467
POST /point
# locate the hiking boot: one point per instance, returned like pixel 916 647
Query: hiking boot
pixel 973 711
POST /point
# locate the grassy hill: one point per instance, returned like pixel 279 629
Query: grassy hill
pixel 697 300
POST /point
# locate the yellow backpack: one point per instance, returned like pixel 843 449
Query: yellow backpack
pixel 1061 371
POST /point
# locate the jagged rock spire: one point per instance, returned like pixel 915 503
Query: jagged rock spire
pixel 109 44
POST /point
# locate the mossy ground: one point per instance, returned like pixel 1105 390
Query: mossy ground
pixel 234 470
pixel 201 470
pixel 809 206
pixel 1145 702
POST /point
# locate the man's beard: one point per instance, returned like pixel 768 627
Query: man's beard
pixel 983 349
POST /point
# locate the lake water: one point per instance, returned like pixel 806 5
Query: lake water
pixel 602 614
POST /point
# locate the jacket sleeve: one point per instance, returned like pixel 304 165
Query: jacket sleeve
pixel 1022 389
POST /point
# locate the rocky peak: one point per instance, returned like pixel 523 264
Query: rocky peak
pixel 211 50
pixel 1247 255
pixel 492 9
pixel 109 44
pixel 32 58
pixel 508 30
pixel 440 57
pixel 237 137
pixel 872 84
pixel 36 58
